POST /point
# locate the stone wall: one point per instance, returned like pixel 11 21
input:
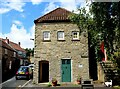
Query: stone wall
pixel 54 50
pixel 100 72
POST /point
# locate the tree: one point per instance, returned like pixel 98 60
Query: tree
pixel 102 23
pixel 29 52
pixel 107 22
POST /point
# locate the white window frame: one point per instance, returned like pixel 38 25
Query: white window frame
pixel 75 37
pixel 14 54
pixel 10 64
pixel 6 51
pixel 48 37
pixel 62 33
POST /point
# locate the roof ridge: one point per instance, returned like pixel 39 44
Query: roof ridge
pixel 65 9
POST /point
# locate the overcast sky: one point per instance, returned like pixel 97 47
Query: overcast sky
pixel 17 17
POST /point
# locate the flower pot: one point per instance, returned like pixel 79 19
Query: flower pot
pixel 78 81
pixel 54 83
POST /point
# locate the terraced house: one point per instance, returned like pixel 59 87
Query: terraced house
pixel 61 51
pixel 8 58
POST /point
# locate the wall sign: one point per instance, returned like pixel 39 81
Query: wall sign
pixel 80 66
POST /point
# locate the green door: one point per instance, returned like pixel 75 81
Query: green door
pixel 66 70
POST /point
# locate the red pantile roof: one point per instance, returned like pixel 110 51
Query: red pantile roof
pixel 4 44
pixel 56 15
pixel 14 45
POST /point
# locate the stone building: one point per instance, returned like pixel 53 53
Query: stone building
pixel 61 51
pixel 8 60
pixel 12 56
pixel 20 51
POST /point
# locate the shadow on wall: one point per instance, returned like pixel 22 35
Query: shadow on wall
pixel 7 72
pixel 92 64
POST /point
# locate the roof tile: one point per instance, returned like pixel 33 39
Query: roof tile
pixel 15 46
pixel 5 45
pixel 58 14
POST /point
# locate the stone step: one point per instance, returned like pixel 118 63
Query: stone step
pixel 109 69
pixel 107 64
pixel 115 72
pixel 111 74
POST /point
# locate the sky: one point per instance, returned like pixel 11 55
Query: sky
pixel 17 17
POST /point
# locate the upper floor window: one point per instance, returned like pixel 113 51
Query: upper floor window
pixel 60 35
pixel 75 35
pixel 14 54
pixel 46 35
pixel 6 51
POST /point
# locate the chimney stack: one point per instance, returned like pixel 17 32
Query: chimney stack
pixel 19 43
pixel 7 40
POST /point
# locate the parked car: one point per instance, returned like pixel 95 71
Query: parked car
pixel 31 66
pixel 24 72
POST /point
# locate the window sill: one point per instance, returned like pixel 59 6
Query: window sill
pixel 46 40
pixel 75 40
pixel 61 40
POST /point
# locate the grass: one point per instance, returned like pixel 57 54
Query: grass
pixel 116 87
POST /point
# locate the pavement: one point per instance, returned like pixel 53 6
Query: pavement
pixel 31 85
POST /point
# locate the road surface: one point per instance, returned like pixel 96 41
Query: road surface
pixel 13 83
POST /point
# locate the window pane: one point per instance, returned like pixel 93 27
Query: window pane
pixel 75 35
pixel 68 61
pixel 63 61
pixel 46 35
pixel 60 35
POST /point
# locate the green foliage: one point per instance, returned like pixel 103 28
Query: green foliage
pixel 116 58
pixel 49 84
pixel 106 22
pixel 102 23
pixel 83 19
pixel 54 79
pixel 116 87
pixel 29 52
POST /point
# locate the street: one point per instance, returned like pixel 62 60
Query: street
pixel 13 83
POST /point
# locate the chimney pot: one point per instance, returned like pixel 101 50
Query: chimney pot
pixel 7 40
pixel 19 43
